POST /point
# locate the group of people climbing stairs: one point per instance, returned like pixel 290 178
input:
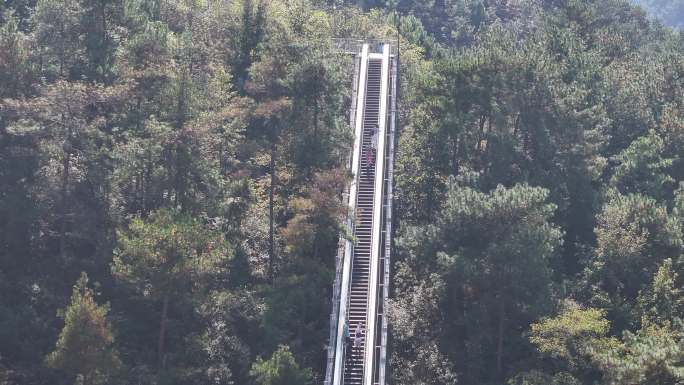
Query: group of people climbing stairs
pixel 357 352
pixel 361 262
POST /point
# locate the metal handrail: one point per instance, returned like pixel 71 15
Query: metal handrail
pixel 335 368
pixel 342 249
pixel 389 175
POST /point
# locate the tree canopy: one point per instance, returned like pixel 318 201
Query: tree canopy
pixel 172 176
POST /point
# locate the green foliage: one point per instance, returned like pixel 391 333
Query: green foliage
pixel 58 33
pixel 172 259
pixel 539 378
pixel 230 340
pixel 188 155
pixel 487 257
pixel 566 343
pixel 641 168
pixel 634 235
pixel 85 348
pixel 249 36
pixel 280 369
pixel 663 301
pixel 169 254
pixel 577 339
pixel 318 216
pixel 564 337
pixel 15 68
pixel 79 37
pixel 651 356
pixel 514 111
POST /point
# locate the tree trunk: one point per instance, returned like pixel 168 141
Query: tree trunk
pixel 271 193
pixel 181 159
pixel 147 181
pixel 103 19
pixel 454 154
pixel 480 133
pixel 500 340
pixel 103 37
pixel 464 332
pixel 162 333
pixel 312 165
pixel 66 165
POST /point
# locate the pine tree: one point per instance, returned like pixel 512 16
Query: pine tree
pixel 85 348
pixel 663 301
pixel 635 234
pixel 58 36
pixel 566 341
pixel 280 369
pixel 486 260
pixel 15 71
pixel 653 356
pixel 170 258
pixel 642 169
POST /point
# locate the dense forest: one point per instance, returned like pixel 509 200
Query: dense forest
pixel 171 177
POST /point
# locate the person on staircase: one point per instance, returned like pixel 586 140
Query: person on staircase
pixel 372 150
pixel 358 338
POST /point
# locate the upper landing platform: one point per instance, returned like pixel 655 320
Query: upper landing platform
pixel 355 46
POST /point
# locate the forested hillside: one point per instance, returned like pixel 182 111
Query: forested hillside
pixel 171 177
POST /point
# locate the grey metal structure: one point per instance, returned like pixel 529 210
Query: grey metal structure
pixel 361 286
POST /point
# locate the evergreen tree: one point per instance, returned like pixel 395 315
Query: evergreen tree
pixel 98 21
pixel 85 348
pixel 58 36
pixel 634 235
pixel 280 369
pixel 651 356
pixel 663 301
pixel 642 170
pixel 249 36
pixel 234 114
pixel 15 67
pixel 567 341
pixel 168 258
pixel 492 254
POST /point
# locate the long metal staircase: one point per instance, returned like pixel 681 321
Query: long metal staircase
pixel 361 262
pixel 361 284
